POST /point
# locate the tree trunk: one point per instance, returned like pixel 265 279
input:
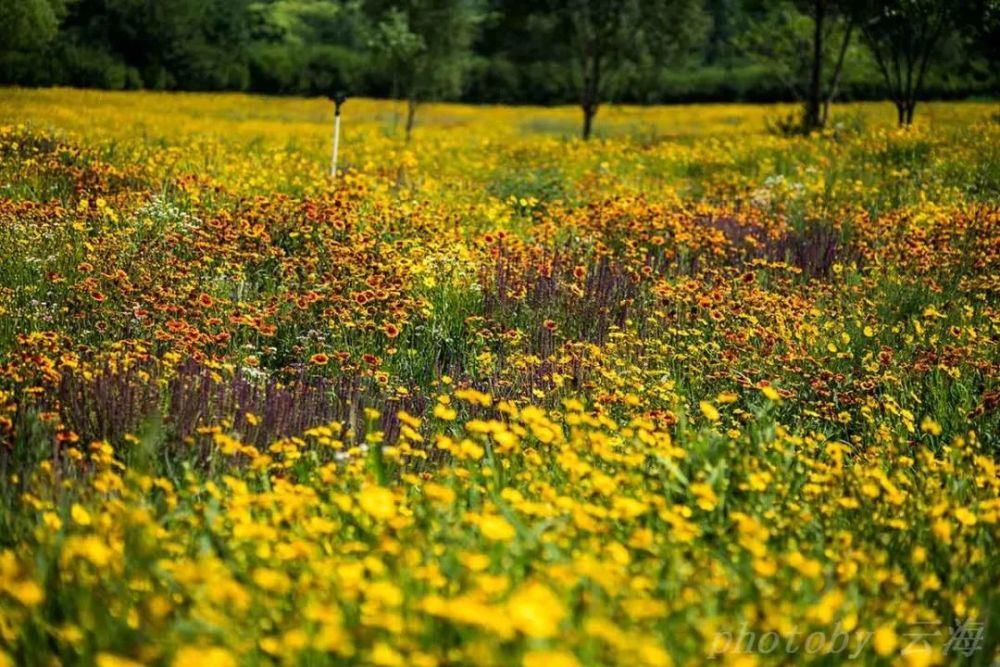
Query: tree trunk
pixel 411 114
pixel 589 111
pixel 812 119
pixel 838 69
pixel 934 32
pixel 395 105
pixel 900 112
pixel 591 89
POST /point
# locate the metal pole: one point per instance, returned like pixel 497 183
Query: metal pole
pixel 336 141
pixel 338 99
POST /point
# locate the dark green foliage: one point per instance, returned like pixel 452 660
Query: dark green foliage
pixel 492 51
pixel 423 47
pixel 903 37
pixel 27 28
pixel 26 25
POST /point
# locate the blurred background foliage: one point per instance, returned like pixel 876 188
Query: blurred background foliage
pixel 485 51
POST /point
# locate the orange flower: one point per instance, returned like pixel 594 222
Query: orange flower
pixel 550 325
pixel 391 330
pixel 205 301
pixel 319 359
pixel 97 296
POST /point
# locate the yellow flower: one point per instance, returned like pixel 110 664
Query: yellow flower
pixel 444 412
pixel 765 567
pixel 917 654
pixel 824 610
pixel 273 581
pixel 475 397
pixel 378 502
pixel 52 521
pixel 536 611
pixel 384 655
pixel 942 530
pixel 709 410
pixel 80 515
pixel 27 593
pixel 212 656
pixel 653 655
pixel 928 425
pixel 806 566
pixel 550 658
pixel 931 311
pixel 495 527
pixel 885 641
pixel 707 500
pixel 770 393
pixel 439 492
pixel 965 517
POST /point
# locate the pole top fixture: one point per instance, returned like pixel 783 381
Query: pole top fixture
pixel 339 98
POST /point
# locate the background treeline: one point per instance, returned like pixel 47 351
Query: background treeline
pixel 492 51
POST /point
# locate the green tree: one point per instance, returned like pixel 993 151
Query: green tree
pixel 308 46
pixel 781 32
pixel 425 47
pixel 29 25
pixel 903 36
pixel 600 43
pixel 395 49
pixel 28 29
pixel 725 16
pixel 188 44
pixel 607 38
pixel 824 15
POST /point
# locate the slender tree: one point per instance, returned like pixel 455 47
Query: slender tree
pixel 902 36
pixel 395 48
pixel 607 38
pixel 811 118
pixel 833 88
pixel 599 31
pixel 426 48
pixel 821 28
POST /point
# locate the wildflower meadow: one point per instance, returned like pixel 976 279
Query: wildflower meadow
pixel 695 391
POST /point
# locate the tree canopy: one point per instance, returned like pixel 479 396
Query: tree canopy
pixel 585 52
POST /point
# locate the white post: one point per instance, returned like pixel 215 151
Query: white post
pixel 336 142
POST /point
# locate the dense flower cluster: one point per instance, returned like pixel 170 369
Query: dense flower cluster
pixel 496 396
